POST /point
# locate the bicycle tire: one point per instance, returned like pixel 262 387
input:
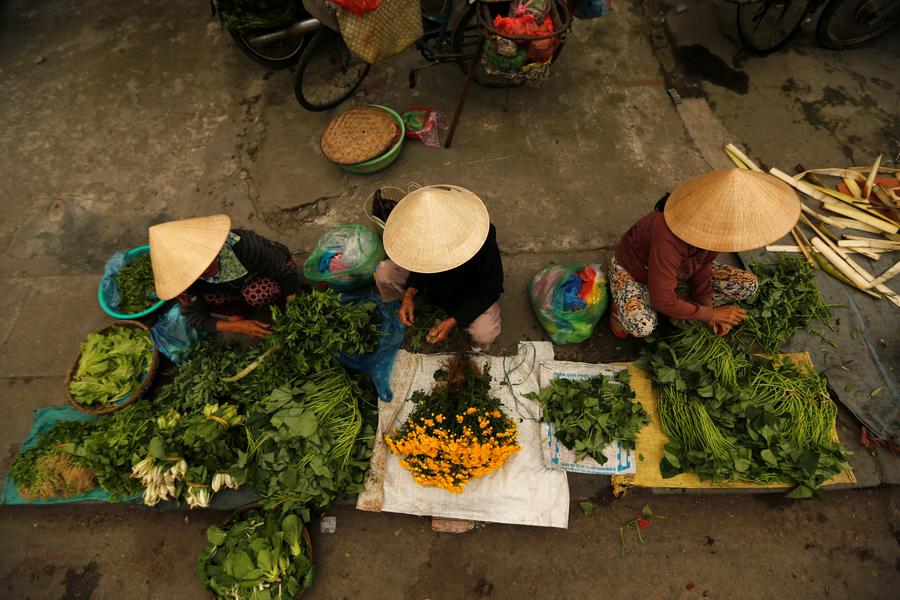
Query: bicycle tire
pixel 338 73
pixel 828 28
pixel 749 12
pixel 258 56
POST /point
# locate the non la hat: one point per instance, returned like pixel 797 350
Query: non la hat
pixel 181 250
pixel 436 228
pixel 732 210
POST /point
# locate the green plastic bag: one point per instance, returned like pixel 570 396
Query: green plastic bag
pixel 569 300
pixel 345 258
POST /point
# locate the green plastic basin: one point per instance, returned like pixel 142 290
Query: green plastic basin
pixel 381 162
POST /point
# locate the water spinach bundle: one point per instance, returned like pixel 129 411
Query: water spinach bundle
pixel 589 414
pixel 457 431
pixel 735 416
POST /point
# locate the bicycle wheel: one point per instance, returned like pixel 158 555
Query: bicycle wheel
pixel 770 25
pixel 849 23
pixel 465 42
pixel 328 72
pixel 277 55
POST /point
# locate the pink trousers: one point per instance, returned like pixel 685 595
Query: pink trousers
pixel 391 282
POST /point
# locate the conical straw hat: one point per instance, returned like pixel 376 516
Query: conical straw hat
pixel 436 228
pixel 181 250
pixel 732 210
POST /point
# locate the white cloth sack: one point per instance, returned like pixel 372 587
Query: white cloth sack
pixel 522 491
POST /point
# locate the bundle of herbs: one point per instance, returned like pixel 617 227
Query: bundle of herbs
pixel 316 327
pixel 773 423
pixel 111 366
pixel 457 431
pixel 787 300
pixel 136 286
pixel 49 470
pixel 257 555
pixel 589 414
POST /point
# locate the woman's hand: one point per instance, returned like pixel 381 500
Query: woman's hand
pixel 407 312
pixel 245 327
pixel 719 329
pixel 440 331
pixel 728 315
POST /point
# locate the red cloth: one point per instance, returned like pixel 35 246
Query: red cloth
pixel 522 26
pixel 358 7
pixel 587 276
pixel 653 255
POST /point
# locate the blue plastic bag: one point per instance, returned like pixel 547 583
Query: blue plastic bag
pixel 109 287
pixel 379 363
pixel 591 9
pixel 173 335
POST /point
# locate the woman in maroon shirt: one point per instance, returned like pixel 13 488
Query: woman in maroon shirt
pixel 665 262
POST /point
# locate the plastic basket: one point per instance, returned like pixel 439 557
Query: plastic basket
pixel 129 256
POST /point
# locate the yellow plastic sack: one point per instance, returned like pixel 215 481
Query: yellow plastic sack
pixel 384 32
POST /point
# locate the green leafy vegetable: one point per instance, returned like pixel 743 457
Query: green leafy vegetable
pixel 137 286
pixel 47 470
pixel 589 414
pixel 111 366
pixel 259 554
pixel 787 300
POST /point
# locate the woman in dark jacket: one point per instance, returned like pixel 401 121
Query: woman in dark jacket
pixel 214 270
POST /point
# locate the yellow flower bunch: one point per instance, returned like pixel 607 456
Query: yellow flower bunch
pixel 457 432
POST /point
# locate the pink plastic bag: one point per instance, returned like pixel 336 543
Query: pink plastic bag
pixel 358 7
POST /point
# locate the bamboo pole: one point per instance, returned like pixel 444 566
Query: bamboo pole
pixel 865 275
pixel 867 188
pixel 734 150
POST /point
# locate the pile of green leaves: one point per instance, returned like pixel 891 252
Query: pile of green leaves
pixel 316 327
pixel 111 366
pixel 115 443
pixel 47 469
pixel 741 416
pixel 787 300
pixel 136 286
pixel 308 444
pixel 259 555
pixel 589 414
